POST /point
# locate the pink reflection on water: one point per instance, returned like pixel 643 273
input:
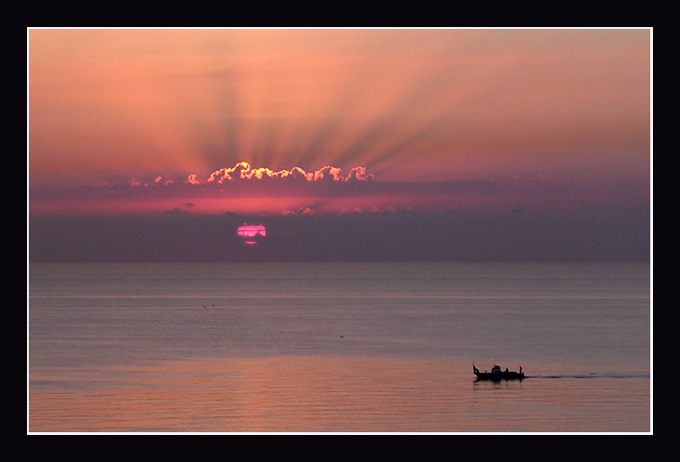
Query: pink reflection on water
pixel 327 393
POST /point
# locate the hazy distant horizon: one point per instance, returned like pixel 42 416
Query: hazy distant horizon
pixel 622 235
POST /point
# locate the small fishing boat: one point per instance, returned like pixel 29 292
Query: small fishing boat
pixel 498 374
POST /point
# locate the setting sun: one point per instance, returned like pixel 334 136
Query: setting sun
pixel 251 234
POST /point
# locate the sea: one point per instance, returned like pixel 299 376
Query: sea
pixel 339 348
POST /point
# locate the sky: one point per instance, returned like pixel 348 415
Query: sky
pixel 343 143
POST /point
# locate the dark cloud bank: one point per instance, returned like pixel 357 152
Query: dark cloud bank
pixel 595 235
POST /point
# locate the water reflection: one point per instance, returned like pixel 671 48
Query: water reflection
pixel 328 394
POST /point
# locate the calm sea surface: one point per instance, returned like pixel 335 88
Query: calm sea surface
pixel 338 347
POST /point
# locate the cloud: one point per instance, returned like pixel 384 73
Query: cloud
pixel 328 190
pixel 238 188
pixel 243 171
pixel 191 179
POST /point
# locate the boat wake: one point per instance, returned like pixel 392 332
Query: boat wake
pixel 593 375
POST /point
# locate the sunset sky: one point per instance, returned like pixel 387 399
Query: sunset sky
pixel 147 124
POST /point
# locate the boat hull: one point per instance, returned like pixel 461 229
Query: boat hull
pixel 498 376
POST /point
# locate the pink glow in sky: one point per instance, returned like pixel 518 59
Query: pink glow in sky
pixel 135 121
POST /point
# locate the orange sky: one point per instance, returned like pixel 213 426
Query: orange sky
pixel 570 108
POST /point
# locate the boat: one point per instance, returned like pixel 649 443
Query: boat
pixel 497 374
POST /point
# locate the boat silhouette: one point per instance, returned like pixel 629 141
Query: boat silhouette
pixel 497 374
